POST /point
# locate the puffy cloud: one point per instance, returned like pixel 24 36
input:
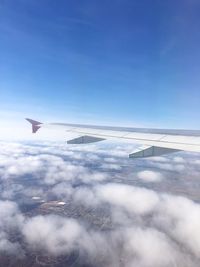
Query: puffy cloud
pixel 170 166
pixel 126 246
pixel 180 217
pixel 8 247
pixel 51 168
pixel 179 160
pixel 149 248
pixel 55 234
pixel 10 220
pixel 10 215
pixel 133 199
pixel 144 226
pixel 150 176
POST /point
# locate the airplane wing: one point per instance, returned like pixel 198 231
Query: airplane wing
pixel 155 142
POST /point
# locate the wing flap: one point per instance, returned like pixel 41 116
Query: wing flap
pixel 151 151
pixel 85 139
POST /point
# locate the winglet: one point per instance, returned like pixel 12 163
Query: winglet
pixel 35 125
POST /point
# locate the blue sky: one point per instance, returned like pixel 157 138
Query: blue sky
pixel 104 62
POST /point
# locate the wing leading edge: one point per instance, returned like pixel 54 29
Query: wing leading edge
pixel 155 142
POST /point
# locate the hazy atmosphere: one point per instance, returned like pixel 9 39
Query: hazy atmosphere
pixel 124 63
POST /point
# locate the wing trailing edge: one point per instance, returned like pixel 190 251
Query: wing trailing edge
pixel 156 142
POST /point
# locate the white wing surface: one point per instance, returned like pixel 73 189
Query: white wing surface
pixel 155 142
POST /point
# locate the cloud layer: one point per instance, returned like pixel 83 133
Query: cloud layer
pixel 122 213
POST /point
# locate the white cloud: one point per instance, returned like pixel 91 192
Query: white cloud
pixel 10 220
pixel 10 215
pixel 179 160
pixel 181 218
pixel 149 248
pixel 133 199
pixel 55 234
pixel 150 176
pixel 146 228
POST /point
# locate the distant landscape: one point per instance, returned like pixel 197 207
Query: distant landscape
pixel 92 206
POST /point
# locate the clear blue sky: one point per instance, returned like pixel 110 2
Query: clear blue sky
pixel 120 62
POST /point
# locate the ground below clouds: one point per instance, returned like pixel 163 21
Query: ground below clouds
pixel 92 206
